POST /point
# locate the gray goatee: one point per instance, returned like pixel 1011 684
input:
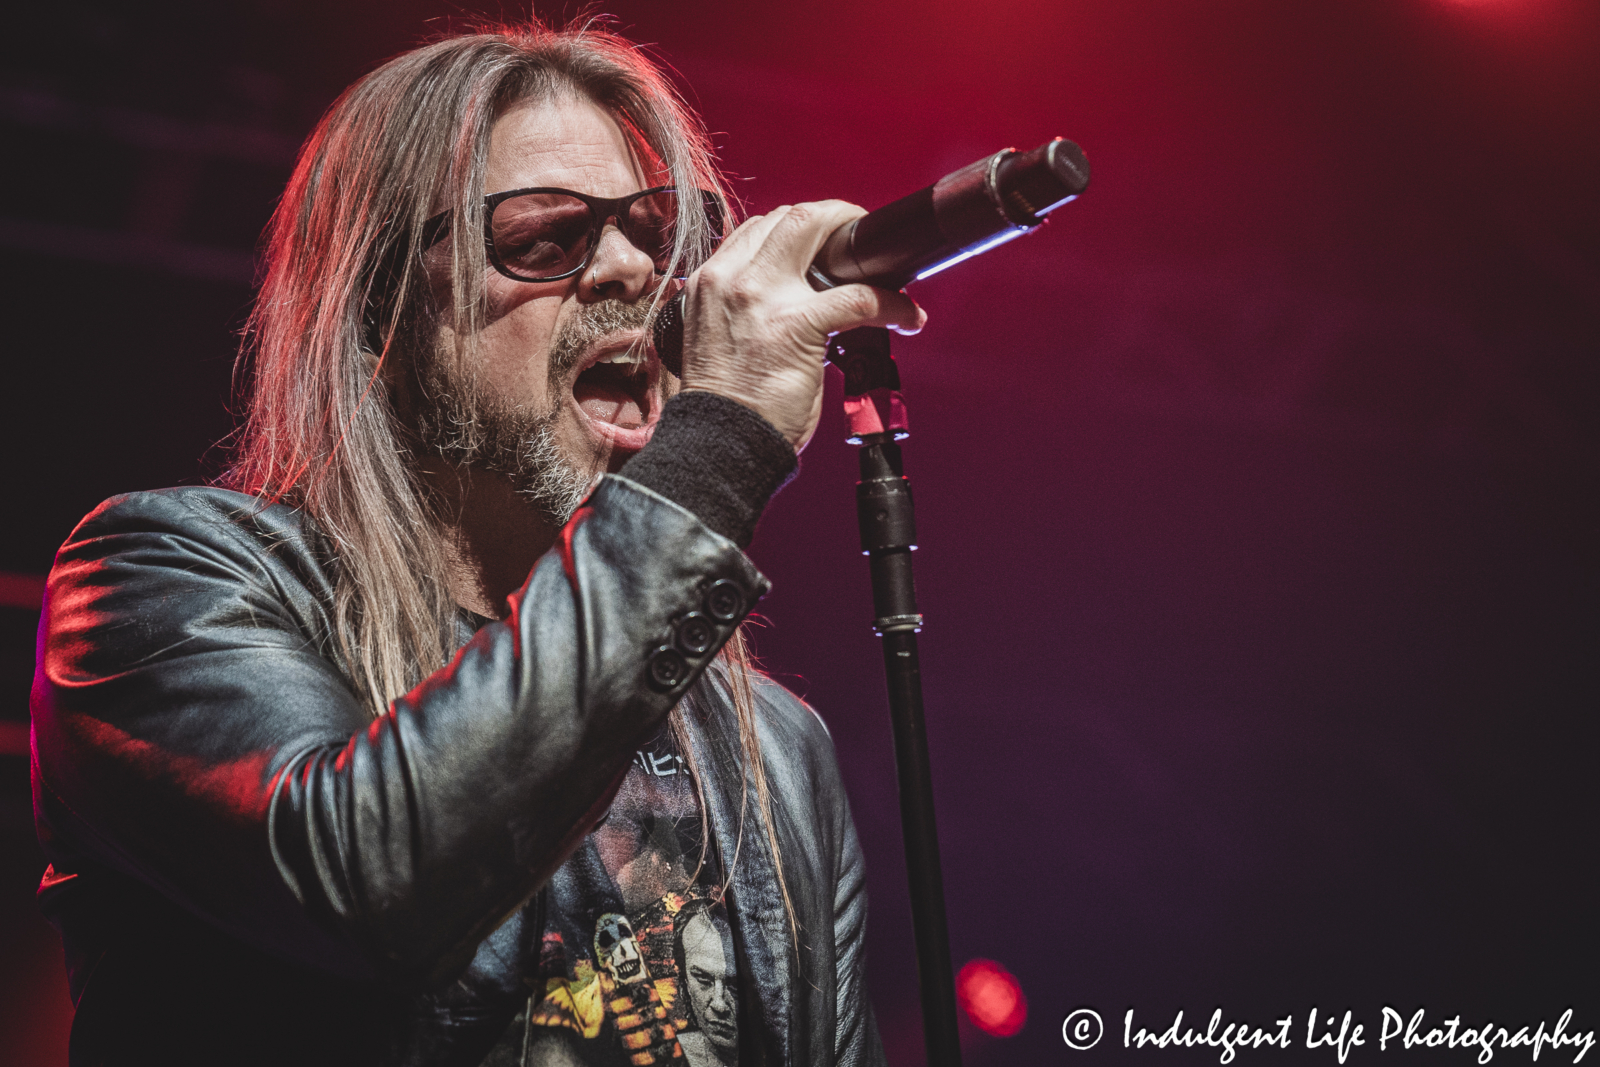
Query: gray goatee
pixel 465 425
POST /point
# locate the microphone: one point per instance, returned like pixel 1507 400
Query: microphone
pixel 982 206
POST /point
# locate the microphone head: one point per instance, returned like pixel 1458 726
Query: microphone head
pixel 666 333
pixel 1033 184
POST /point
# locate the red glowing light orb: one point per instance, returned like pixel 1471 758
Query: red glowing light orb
pixel 992 998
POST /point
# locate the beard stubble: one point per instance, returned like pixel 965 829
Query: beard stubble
pixel 462 422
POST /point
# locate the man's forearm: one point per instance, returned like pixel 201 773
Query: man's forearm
pixel 192 733
pixel 717 458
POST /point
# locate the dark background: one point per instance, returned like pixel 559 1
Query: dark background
pixel 1257 491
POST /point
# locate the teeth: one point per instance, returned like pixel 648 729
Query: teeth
pixel 621 357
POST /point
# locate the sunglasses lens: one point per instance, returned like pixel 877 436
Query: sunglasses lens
pixel 652 224
pixel 541 235
pixel 538 236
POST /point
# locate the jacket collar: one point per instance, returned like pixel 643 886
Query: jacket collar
pixel 761 925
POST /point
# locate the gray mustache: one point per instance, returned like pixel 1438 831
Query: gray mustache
pixel 590 323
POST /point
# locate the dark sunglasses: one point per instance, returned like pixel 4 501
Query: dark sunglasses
pixel 544 235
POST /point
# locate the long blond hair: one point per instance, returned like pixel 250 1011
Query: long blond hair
pixel 344 284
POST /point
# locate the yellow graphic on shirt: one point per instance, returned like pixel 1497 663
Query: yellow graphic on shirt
pixel 577 1006
pixel 641 1006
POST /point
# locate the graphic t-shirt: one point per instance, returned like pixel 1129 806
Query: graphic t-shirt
pixel 637 961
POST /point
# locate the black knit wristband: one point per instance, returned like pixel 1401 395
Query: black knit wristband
pixel 718 459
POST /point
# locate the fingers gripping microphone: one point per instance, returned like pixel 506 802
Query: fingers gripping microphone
pixel 963 214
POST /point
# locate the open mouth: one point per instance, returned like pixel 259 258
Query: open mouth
pixel 618 393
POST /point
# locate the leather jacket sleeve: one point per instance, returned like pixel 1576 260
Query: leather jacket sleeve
pixel 193 727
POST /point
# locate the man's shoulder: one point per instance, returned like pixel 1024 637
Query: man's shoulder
pixel 160 535
pixel 794 728
pixel 802 765
pixel 786 709
pixel 200 510
pixel 231 523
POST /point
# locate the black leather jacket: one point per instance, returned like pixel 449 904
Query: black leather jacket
pixel 246 868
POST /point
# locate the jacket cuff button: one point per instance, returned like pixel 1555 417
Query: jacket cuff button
pixel 694 634
pixel 724 600
pixel 667 669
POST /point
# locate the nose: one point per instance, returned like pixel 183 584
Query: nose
pixel 721 1004
pixel 618 271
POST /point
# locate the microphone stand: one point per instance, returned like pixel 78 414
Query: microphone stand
pixel 877 416
pixel 964 214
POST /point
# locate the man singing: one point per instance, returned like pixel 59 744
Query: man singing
pixel 431 737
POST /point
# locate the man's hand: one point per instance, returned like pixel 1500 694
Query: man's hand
pixel 756 331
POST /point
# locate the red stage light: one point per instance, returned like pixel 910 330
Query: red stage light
pixel 992 998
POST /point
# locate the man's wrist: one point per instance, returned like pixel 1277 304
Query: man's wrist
pixel 717 458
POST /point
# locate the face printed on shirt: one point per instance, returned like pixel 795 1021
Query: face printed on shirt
pixel 712 981
pixel 617 950
pixel 614 986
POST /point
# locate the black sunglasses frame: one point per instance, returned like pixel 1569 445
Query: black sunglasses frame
pixel 602 210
